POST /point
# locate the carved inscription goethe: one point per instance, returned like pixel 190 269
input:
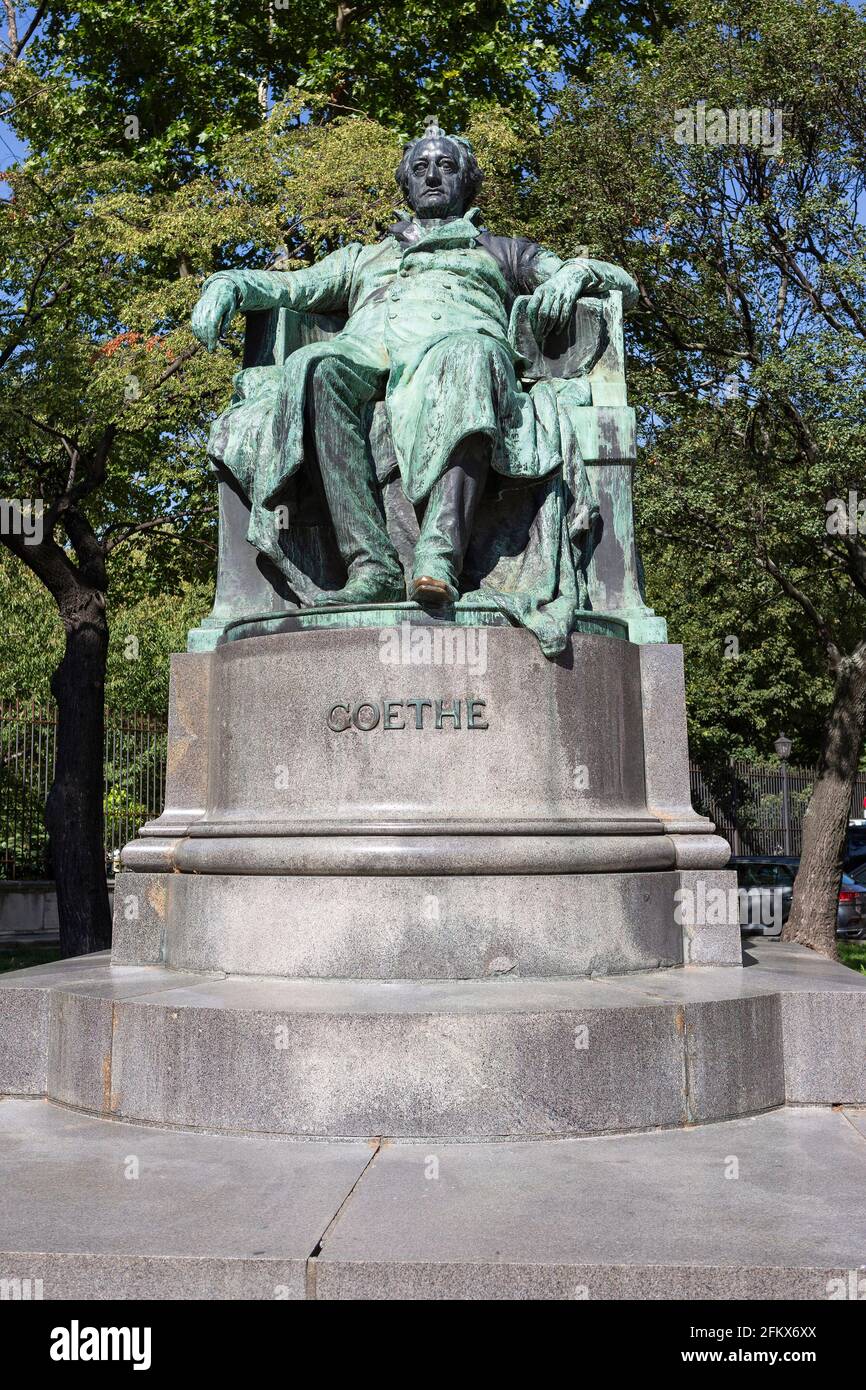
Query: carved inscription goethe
pixel 367 715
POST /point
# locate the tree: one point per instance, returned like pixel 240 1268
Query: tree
pixel 98 444
pixel 750 344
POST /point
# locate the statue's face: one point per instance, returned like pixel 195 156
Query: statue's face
pixel 435 180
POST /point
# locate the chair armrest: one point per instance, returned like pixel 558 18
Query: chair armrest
pixel 272 334
pixel 589 348
pixel 573 352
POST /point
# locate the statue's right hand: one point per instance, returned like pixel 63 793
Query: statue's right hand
pixel 214 312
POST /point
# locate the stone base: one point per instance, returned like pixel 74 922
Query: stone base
pixel 352 616
pixel 436 1059
pixel 347 803
pixel 498 1139
pixel 766 1208
pixel 426 926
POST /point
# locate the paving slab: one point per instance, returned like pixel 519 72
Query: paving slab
pixel 771 1207
pixel 100 1209
pixel 792 967
pixel 768 1207
pixel 60 972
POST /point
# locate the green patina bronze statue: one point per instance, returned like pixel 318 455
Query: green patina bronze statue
pixel 428 320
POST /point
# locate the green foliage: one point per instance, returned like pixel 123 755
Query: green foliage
pixel 748 352
pixel 142 637
pixel 121 810
pixel 92 337
pixel 853 954
pixel 144 629
pixel 23 840
pixel 193 74
pixel 31 636
pixel 751 669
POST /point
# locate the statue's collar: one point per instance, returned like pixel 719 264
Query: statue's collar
pixel 438 231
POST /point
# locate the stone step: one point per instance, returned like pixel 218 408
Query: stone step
pixel 436 1059
pixel 436 925
pixel 771 1207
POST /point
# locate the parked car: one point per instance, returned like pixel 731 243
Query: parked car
pixel 766 887
pixel 851 917
pixel 855 847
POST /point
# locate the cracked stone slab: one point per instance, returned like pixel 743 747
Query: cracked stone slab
pixel 208 1216
pixel 768 1207
pixel 857 1118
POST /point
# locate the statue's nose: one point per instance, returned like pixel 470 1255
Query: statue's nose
pixel 434 178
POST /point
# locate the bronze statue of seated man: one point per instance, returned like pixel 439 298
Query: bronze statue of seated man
pixel 427 314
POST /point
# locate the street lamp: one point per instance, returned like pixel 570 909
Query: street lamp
pixel 783 747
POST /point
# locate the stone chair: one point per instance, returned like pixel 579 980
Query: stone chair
pixel 250 587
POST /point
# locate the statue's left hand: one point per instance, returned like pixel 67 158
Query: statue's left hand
pixel 552 304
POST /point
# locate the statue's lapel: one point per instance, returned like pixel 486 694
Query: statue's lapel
pixel 461 231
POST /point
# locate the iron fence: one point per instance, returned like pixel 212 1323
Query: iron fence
pixel 746 801
pixel 134 769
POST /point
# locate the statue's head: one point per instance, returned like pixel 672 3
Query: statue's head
pixel 439 174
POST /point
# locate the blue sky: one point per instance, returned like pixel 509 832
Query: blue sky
pixel 11 148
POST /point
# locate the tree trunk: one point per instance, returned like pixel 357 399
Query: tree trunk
pixel 816 889
pixel 74 810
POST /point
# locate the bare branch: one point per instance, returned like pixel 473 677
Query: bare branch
pixel 12 25
pixel 793 591
pixel 159 528
pixel 33 25
pixel 174 366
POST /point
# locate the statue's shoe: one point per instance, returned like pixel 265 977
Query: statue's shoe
pixel 435 592
pixel 368 586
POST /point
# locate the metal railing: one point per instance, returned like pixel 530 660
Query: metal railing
pixel 746 801
pixel 134 763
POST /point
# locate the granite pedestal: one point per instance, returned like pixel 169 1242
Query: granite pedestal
pixel 438 1059
pixel 411 803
